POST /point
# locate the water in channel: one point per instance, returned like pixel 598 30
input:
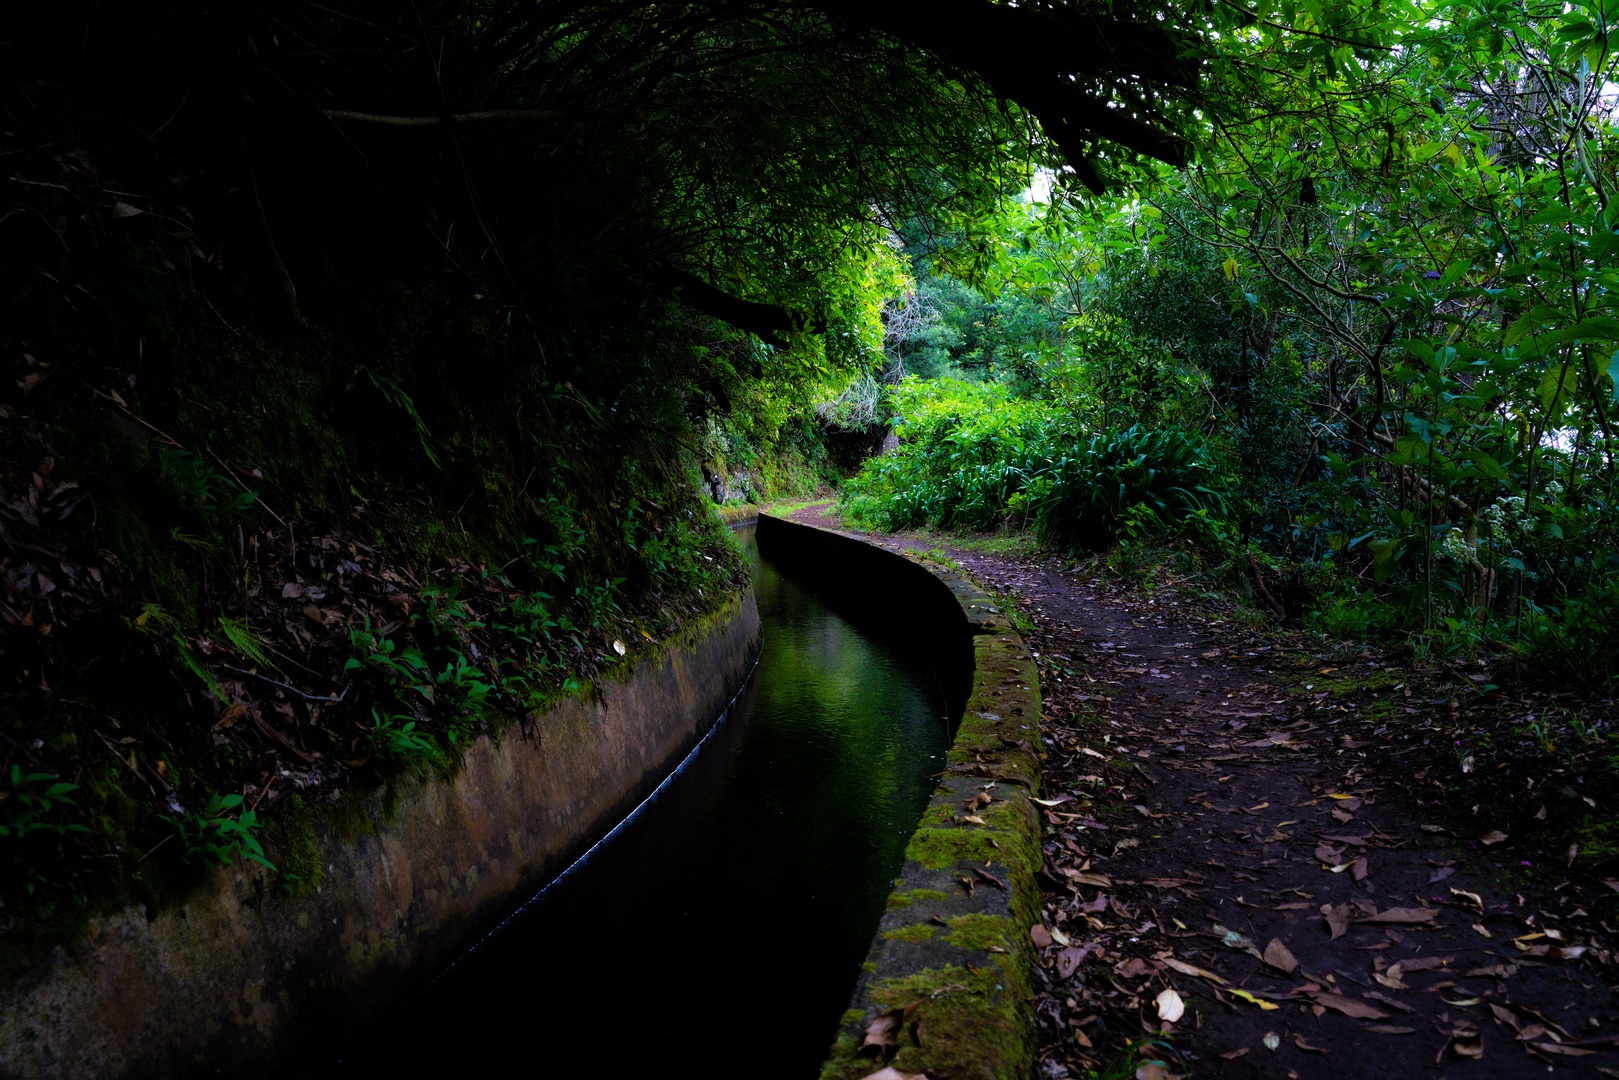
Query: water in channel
pixel 726 921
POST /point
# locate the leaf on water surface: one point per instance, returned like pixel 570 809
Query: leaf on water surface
pixel 1349 1006
pixel 1278 956
pixel 1170 1006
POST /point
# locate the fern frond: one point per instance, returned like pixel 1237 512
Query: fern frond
pixel 245 641
pixel 193 662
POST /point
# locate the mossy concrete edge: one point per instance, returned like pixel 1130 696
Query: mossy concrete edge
pixel 955 939
pixel 245 980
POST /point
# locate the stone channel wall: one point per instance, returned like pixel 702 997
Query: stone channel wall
pixel 952 964
pixel 242 980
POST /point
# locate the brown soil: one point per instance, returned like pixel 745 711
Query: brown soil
pixel 1289 843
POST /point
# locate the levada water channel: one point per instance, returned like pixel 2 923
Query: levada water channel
pixel 726 920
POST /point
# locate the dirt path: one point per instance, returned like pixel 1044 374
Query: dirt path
pixel 1269 841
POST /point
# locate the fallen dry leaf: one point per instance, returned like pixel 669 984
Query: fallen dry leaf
pixel 1494 836
pixel 1279 957
pixel 1040 936
pixel 1390 1029
pixel 1189 969
pixel 1566 1051
pixel 1338 919
pixel 1170 1006
pixel 1068 961
pixel 1132 968
pixel 1271 1041
pixel 1421 963
pixel 882 1034
pixel 1394 1003
pixel 1467 1044
pixel 891 1073
pixel 1231 939
pixel 1154 1070
pixel 1349 1006
pixel 1232 1055
pixel 1299 1041
pixel 1268 1006
pixel 1402 916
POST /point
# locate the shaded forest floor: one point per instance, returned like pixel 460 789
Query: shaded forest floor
pixel 1338 862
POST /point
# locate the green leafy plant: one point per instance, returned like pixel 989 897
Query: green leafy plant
pixel 214 835
pixel 391 740
pixel 33 818
pixel 197 487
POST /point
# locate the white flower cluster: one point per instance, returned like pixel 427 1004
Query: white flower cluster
pixel 1507 517
pixel 1455 546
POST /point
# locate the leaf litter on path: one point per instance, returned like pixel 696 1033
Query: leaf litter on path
pixel 1360 964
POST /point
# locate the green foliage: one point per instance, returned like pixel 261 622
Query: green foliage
pixel 243 639
pixel 1127 482
pixel 973 456
pixel 392 741
pixel 34 820
pixel 214 835
pixel 196 487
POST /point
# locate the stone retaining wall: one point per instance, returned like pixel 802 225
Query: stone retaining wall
pixel 244 980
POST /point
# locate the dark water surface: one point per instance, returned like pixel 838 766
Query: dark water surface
pixel 724 924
